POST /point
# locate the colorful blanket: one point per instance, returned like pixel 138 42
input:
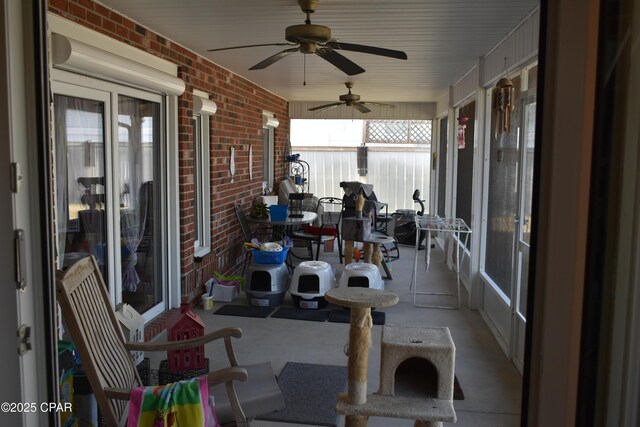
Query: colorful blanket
pixel 185 403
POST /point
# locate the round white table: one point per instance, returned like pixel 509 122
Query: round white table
pixel 307 218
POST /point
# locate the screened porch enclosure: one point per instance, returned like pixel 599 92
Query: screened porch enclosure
pixel 397 158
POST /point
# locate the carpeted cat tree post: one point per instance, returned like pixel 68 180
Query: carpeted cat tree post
pixel 360 300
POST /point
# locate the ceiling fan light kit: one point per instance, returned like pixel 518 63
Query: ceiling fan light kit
pixel 316 39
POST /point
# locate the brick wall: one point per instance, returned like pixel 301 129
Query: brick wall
pixel 237 123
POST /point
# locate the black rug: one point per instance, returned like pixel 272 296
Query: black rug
pixel 341 315
pixel 310 393
pixel 301 314
pixel 244 311
pixel 458 394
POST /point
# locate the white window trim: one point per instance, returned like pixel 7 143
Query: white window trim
pixel 269 123
pixel 77 85
pixel 203 108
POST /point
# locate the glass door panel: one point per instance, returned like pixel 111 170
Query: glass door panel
pixel 528 147
pixel 138 140
pixel 80 193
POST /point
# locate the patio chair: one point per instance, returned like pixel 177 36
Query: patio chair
pixel 329 215
pixel 263 234
pixel 105 355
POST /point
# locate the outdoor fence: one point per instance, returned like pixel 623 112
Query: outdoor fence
pixel 394 172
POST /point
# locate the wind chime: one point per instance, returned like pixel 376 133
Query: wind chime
pixel 503 103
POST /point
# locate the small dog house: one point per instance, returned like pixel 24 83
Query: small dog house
pixel 187 325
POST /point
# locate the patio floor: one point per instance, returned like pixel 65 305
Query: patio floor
pixel 491 383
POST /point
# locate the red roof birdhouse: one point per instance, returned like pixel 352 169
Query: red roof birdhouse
pixel 187 325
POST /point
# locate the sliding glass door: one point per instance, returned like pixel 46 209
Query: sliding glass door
pixel 81 207
pixel 138 141
pixel 108 151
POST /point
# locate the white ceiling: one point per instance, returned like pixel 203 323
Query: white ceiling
pixel 442 38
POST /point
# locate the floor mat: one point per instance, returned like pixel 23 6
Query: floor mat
pixel 310 393
pixel 458 394
pixel 301 314
pixel 342 315
pixel 244 311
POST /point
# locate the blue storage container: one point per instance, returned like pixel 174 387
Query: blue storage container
pixel 278 212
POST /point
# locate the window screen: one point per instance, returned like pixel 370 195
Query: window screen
pixel 442 165
pixel 464 182
pixel 503 198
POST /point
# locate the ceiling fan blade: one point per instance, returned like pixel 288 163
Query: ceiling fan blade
pixel 325 107
pixel 358 106
pixel 344 64
pixel 251 45
pixel 273 58
pixel 373 50
pixel 382 104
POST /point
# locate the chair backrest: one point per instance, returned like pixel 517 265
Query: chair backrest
pixel 96 333
pixel 330 210
pixel 244 226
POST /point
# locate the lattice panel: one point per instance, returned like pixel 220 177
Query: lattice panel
pixel 398 131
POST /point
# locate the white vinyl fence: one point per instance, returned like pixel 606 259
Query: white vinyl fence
pixel 394 172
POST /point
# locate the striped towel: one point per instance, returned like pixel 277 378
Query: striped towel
pixel 185 403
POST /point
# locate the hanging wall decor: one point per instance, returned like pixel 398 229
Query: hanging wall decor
pixel 503 104
pixel 462 125
pixel 250 161
pixel 232 162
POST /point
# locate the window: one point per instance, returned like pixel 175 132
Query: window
pixel 203 108
pixel 269 123
pixel 398 131
pixel 201 200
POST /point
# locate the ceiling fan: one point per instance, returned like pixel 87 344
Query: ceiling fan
pixel 350 100
pixel 311 38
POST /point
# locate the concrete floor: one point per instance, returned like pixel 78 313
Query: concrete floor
pixel 491 383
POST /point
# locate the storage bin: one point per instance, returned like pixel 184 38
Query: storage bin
pixel 278 212
pixel 224 293
pixel 270 257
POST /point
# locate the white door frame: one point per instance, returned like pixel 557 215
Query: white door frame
pixel 27 378
pixel 71 84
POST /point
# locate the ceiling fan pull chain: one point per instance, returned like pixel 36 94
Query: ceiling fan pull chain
pixel 304 70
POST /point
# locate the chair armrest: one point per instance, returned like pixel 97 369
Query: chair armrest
pixel 228 376
pixel 226 333
pixel 184 344
pixel 233 373
pixel 213 378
